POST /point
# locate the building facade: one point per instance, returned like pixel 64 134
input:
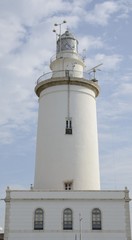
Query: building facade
pixel 102 215
pixel 66 201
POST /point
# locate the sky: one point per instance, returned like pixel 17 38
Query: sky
pixel 104 31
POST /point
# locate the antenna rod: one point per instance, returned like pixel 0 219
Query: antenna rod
pixel 59 24
pixel 95 67
pixel 94 71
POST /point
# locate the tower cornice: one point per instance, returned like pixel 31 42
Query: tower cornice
pixel 64 81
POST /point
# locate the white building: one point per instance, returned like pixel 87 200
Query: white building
pixel 66 201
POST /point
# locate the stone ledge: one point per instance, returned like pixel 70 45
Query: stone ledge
pixel 65 81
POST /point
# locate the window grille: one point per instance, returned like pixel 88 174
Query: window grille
pixel 38 219
pixel 68 129
pixel 67 219
pixel 68 185
pixel 96 219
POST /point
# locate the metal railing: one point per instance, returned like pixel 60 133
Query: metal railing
pixel 44 77
pixel 65 54
pixel 64 73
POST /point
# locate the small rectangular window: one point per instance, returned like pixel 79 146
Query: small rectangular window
pixel 68 185
pixel 68 129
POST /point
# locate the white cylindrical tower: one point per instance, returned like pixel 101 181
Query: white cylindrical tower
pixel 67 143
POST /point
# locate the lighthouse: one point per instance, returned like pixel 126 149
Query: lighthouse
pixel 65 201
pixel 67 142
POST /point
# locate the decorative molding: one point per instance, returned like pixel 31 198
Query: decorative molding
pixel 64 81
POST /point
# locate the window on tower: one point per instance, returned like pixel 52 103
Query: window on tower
pixel 68 129
pixel 68 185
pixel 38 219
pixel 96 219
pixel 67 219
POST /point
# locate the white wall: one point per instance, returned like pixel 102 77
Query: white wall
pixel 111 204
pixel 62 157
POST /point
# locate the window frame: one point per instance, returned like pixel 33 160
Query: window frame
pixel 67 219
pixel 68 185
pixel 39 224
pixel 96 219
pixel 68 126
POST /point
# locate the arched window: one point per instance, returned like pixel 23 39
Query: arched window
pixel 67 219
pixel 38 219
pixel 96 219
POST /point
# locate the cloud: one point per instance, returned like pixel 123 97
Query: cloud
pixel 27 43
pixel 125 89
pixel 110 62
pixel 125 8
pixel 102 13
pixel 6 137
pixel 90 42
pixel 38 10
pixel 17 106
pixel 22 60
pixel 11 32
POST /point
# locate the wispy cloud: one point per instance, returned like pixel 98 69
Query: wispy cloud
pixel 90 42
pixel 102 13
pixel 110 62
pixel 11 32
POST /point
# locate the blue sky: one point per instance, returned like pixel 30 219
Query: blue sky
pixel 103 28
